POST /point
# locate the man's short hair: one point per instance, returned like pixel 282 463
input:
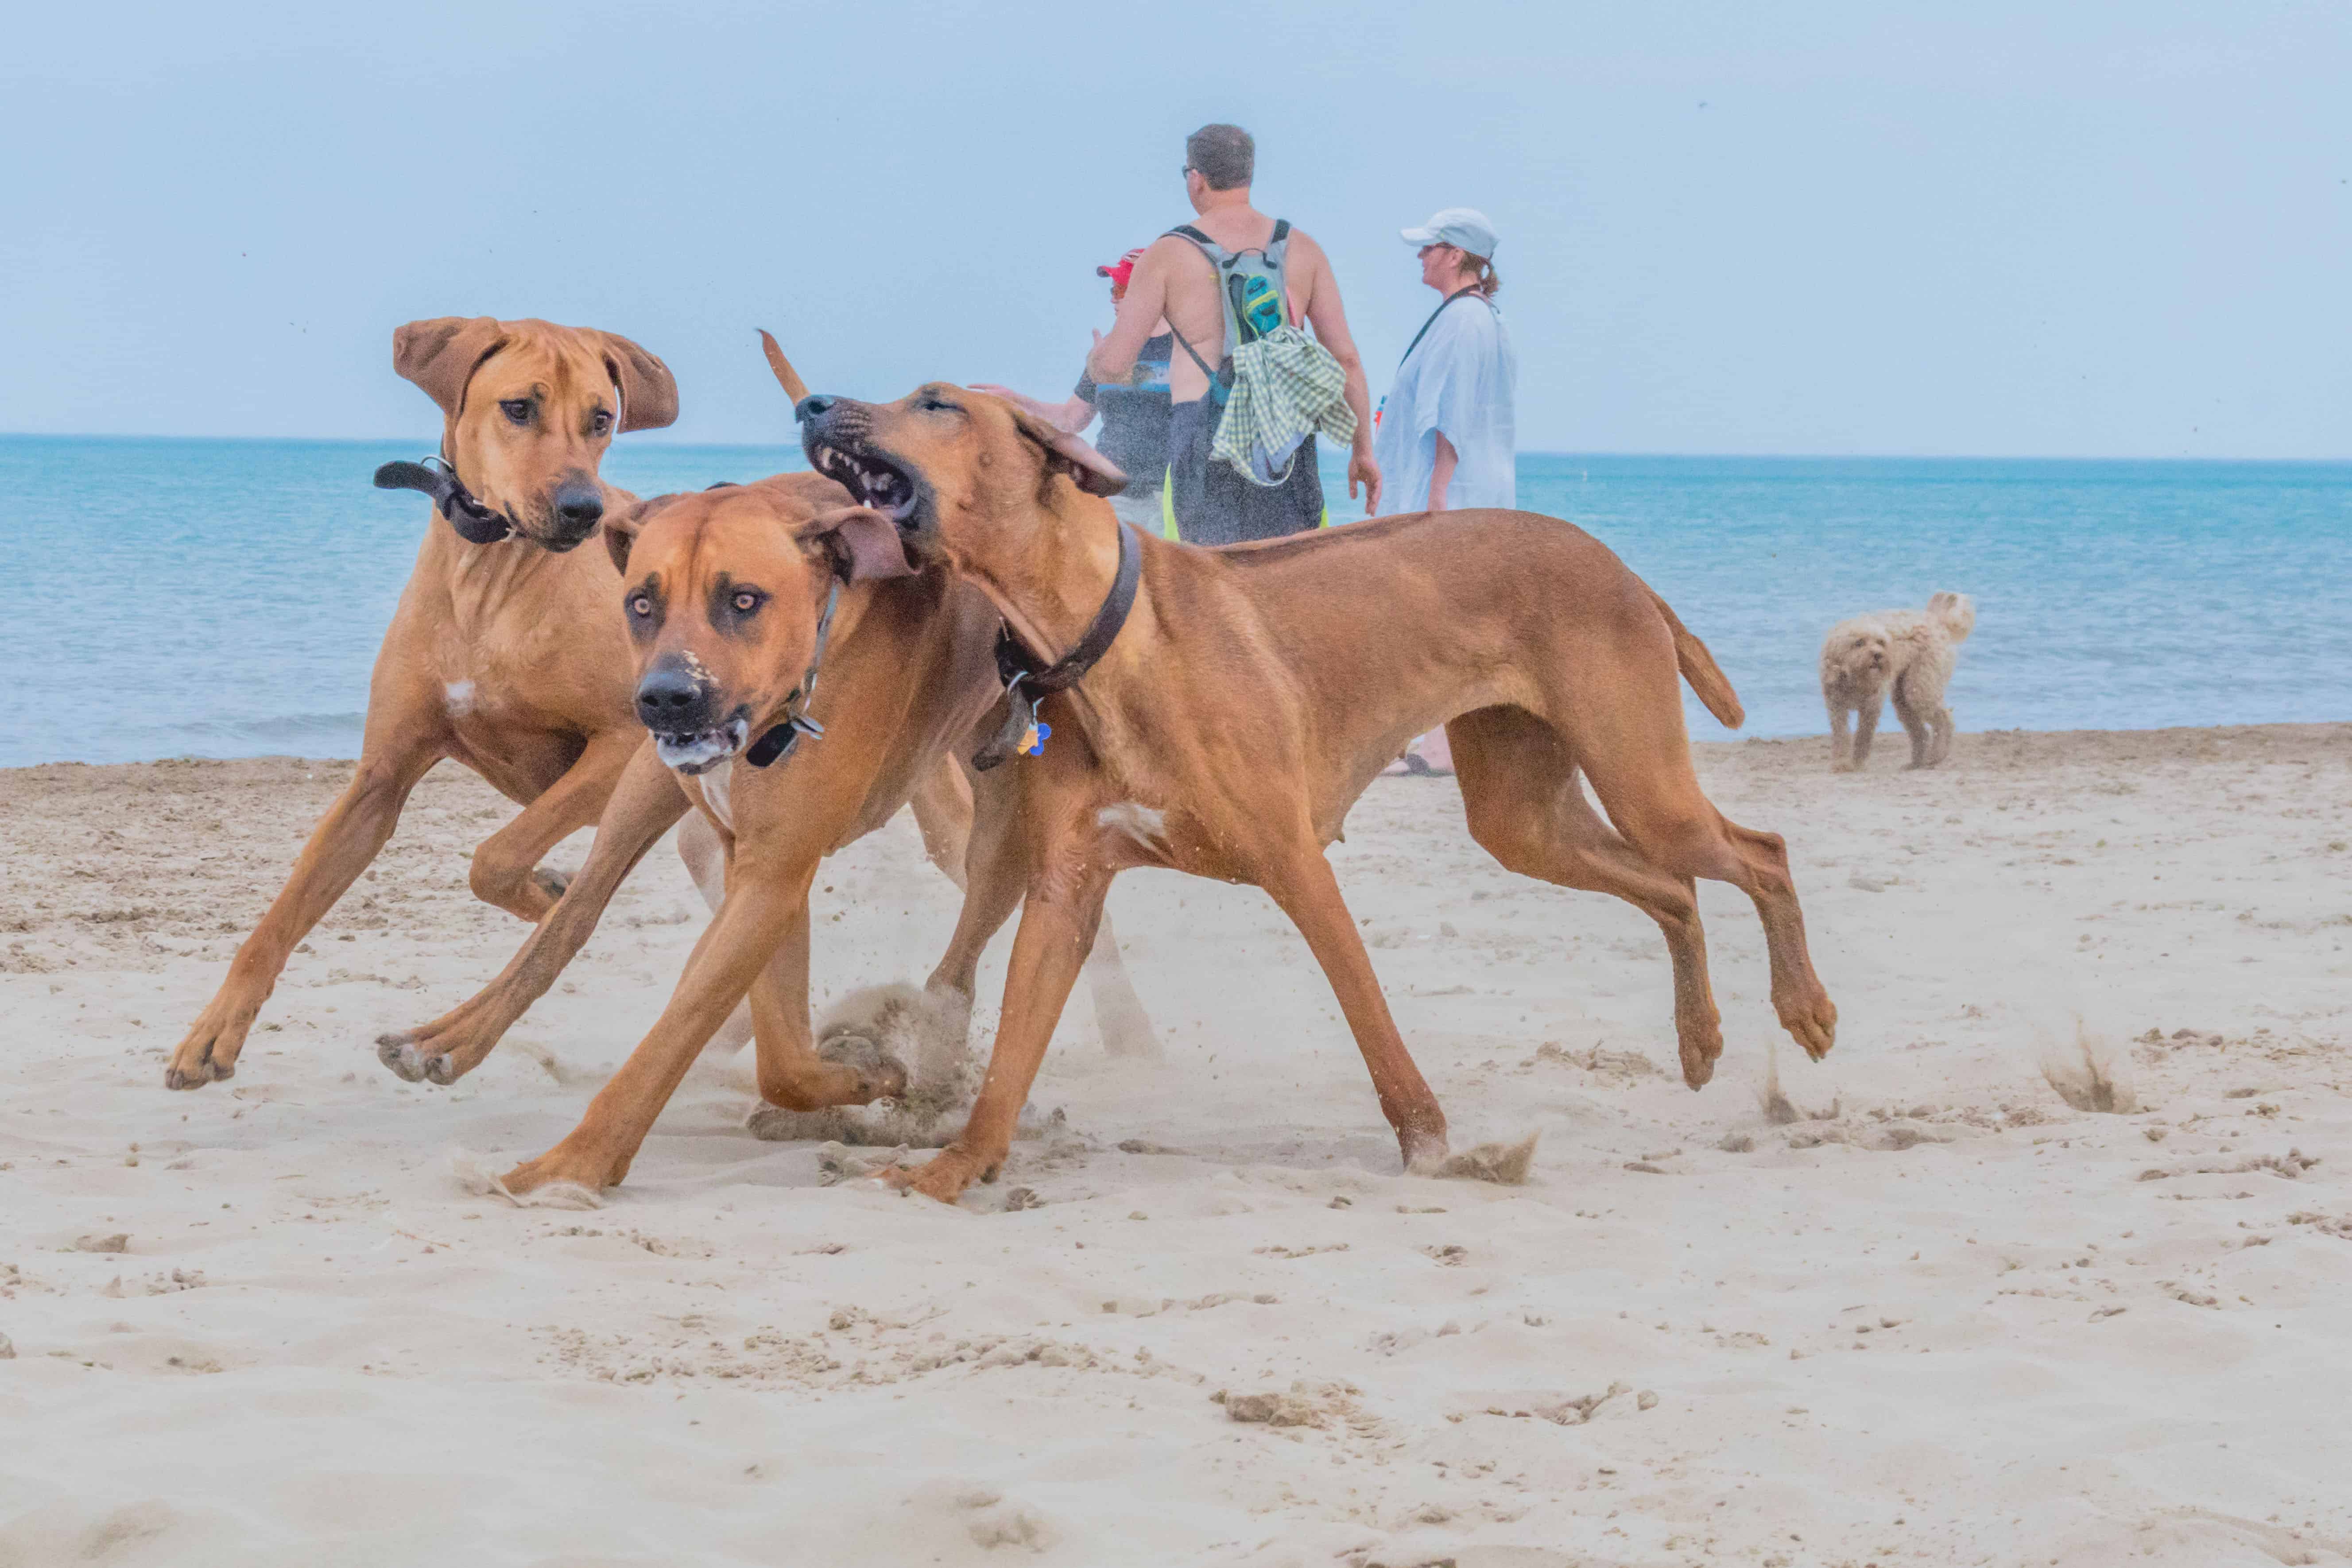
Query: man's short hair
pixel 1225 155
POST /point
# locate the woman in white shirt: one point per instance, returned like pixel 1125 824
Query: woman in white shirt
pixel 1443 435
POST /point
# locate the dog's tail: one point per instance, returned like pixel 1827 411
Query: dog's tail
pixel 1698 667
pixel 786 377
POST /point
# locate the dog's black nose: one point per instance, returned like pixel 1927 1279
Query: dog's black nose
pixel 579 504
pixel 672 701
pixel 815 406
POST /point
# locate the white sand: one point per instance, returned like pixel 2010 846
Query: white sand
pixel 1961 1322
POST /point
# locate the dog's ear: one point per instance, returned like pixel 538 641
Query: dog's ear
pixel 865 542
pixel 648 391
pixel 441 355
pixel 621 528
pixel 1066 454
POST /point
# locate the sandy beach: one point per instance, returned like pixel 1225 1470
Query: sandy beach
pixel 1908 1306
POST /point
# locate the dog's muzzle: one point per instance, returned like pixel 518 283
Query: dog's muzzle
pixel 577 507
pixel 835 432
pixel 680 705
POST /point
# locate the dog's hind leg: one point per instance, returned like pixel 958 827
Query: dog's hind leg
pixel 1941 747
pixel 941 802
pixel 1623 717
pixel 1525 804
pixel 1118 1011
pixel 1919 723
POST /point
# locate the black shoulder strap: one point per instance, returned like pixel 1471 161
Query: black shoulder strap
pixel 1457 294
pixel 1191 352
pixel 1281 232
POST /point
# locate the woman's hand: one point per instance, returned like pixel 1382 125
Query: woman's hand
pixel 1363 470
pixel 1069 417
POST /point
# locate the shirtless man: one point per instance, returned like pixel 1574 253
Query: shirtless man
pixel 1211 503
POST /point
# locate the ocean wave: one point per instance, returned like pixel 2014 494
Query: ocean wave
pixel 299 735
pixel 261 731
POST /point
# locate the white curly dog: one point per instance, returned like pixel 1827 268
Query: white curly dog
pixel 1909 652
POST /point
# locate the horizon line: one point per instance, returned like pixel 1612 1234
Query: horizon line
pixel 1522 452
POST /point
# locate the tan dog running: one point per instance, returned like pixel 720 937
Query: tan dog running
pixel 1255 689
pixel 503 655
pixel 726 593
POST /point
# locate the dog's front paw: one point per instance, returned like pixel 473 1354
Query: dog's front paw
pixel 208 1052
pixel 946 1176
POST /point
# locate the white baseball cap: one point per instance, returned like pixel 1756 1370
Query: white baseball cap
pixel 1464 228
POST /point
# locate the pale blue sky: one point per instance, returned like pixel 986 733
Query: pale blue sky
pixel 1726 228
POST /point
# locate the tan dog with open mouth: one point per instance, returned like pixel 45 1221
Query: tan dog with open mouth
pixel 802 679
pixel 503 654
pixel 1250 693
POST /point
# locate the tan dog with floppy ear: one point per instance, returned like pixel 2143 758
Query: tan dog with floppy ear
pixel 503 655
pixel 753 610
pixel 1250 692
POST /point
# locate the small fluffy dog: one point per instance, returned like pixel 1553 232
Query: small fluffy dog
pixel 1909 651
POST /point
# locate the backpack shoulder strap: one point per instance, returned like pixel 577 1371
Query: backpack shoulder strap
pixel 1217 254
pixel 1221 262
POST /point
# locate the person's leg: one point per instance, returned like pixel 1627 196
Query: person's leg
pixel 1251 510
pixel 1302 493
pixel 1185 502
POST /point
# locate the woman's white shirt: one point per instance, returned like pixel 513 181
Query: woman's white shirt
pixel 1459 379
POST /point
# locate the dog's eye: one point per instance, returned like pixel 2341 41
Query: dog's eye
pixel 600 422
pixel 747 600
pixel 516 409
pixel 640 605
pixel 932 402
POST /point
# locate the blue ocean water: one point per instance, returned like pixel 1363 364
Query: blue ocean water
pixel 226 598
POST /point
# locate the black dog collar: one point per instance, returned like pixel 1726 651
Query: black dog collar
pixel 475 523
pixel 1015 663
pixel 784 739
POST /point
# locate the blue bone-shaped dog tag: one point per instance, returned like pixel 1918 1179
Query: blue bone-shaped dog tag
pixel 1037 736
